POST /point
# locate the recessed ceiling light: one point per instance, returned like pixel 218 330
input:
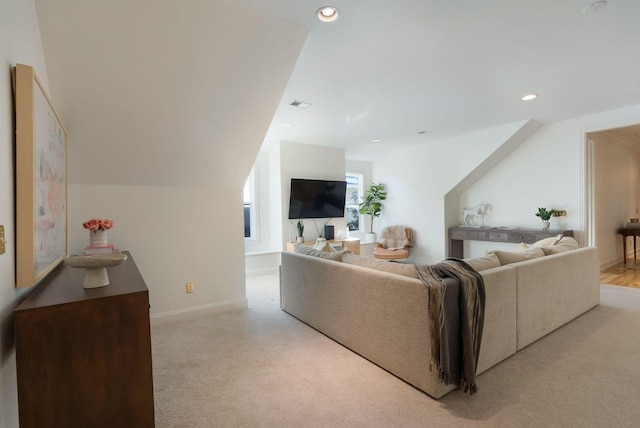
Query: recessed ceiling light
pixel 529 97
pixel 593 7
pixel 287 125
pixel 376 140
pixel 327 14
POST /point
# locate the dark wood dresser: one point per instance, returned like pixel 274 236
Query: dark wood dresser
pixel 459 234
pixel 83 356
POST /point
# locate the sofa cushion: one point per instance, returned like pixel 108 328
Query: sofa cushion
pixel 324 246
pixel 483 263
pixel 543 243
pixel 547 242
pixel 404 269
pixel 310 251
pixel 507 257
pixel 567 243
pixel 555 249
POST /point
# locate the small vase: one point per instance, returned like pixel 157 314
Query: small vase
pixel 98 238
pixel 300 239
pixel 545 224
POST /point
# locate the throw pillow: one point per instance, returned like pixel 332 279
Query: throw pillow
pixel 507 257
pixel 483 263
pixel 310 251
pixel 404 269
pixel 324 246
pixel 547 242
pixel 567 243
pixel 556 249
pixel 570 242
pixel 521 247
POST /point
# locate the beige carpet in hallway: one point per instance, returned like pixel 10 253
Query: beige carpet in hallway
pixel 262 368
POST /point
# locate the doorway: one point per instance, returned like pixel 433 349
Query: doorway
pixel 612 184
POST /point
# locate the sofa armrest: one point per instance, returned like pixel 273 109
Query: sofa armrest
pixel 379 315
pixel 553 290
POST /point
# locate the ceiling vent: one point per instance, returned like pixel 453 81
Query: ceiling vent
pixel 594 7
pixel 300 104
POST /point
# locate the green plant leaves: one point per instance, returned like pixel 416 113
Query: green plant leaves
pixel 544 214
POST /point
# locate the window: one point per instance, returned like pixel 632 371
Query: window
pixel 354 194
pixel 250 207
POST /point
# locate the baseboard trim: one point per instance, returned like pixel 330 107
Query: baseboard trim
pixel 258 272
pixel 182 314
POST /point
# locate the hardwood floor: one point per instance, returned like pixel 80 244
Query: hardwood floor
pixel 618 274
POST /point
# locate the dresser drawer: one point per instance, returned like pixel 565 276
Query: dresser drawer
pixel 526 237
pixel 477 235
pixel 457 234
pixel 499 236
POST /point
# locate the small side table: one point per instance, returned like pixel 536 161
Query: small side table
pixel 626 232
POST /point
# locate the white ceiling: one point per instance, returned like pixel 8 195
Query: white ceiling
pixel 175 93
pixel 389 69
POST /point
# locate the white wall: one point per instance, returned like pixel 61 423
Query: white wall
pixel 164 148
pixel 161 142
pixel 542 172
pixel 19 43
pixel 617 193
pixel 176 235
pixel 417 180
pixel 548 170
pixel 312 162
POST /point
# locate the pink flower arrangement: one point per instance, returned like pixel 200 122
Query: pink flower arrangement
pixel 98 224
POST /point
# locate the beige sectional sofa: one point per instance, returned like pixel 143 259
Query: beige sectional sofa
pixel 382 315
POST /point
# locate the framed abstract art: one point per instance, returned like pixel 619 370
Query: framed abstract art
pixel 41 181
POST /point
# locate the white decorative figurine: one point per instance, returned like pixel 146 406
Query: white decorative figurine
pixel 475 216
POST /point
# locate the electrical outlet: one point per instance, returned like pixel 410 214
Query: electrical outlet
pixel 189 287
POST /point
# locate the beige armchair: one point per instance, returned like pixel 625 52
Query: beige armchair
pixel 394 243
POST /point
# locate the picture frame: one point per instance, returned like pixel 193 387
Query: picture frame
pixel 41 181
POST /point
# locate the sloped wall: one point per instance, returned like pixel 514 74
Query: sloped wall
pixel 550 170
pixel 418 179
pixel 166 109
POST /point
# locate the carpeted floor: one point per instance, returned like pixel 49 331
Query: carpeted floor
pixel 262 368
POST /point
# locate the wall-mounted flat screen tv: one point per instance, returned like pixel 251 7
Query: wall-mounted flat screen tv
pixel 317 198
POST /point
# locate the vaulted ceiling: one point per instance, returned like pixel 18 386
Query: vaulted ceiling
pixel 172 93
pixel 390 69
pixel 165 93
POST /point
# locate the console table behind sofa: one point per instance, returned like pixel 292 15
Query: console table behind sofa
pixel 459 234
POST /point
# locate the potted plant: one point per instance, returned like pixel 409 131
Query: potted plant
pixel 371 205
pixel 300 228
pixel 545 216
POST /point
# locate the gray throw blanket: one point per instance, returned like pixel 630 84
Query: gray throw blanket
pixel 456 318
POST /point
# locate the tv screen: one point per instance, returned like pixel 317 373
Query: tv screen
pixel 317 198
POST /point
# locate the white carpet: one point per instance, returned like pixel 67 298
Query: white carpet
pixel 261 367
